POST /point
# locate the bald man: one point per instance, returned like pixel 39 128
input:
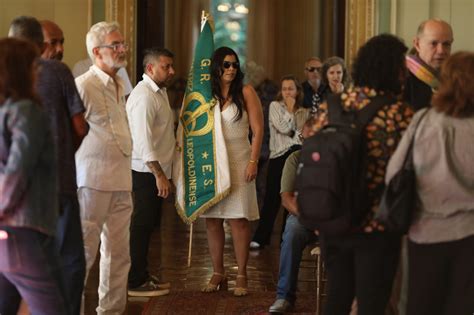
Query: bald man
pixel 433 46
pixel 53 40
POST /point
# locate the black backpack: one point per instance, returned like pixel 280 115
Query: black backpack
pixel 331 181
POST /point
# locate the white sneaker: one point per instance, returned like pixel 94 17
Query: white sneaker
pixel 148 289
pixel 280 306
pixel 254 245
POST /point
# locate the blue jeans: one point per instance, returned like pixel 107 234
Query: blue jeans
pixel 29 268
pixel 295 239
pixel 71 250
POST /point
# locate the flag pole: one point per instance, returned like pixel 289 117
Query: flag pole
pixel 204 15
pixel 190 246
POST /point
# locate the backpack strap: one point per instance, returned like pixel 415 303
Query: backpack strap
pixel 365 115
pixel 335 108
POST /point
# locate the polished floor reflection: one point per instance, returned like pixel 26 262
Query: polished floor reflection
pixel 171 244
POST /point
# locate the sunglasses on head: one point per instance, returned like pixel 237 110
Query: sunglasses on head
pixel 228 64
pixel 311 69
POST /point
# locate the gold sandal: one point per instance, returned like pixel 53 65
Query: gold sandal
pixel 221 285
pixel 241 291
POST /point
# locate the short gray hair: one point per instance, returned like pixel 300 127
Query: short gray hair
pixel 27 28
pixel 96 35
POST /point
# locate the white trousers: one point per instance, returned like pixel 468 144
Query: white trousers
pixel 105 218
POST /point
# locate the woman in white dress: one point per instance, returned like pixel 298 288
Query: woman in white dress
pixel 240 108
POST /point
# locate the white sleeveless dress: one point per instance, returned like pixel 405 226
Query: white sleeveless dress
pixel 242 200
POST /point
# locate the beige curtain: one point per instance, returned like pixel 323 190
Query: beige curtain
pixel 183 21
pixel 360 25
pixel 283 34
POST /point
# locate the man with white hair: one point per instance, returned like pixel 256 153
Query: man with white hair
pixel 103 162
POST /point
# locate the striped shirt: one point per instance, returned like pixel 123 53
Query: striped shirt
pixel 283 130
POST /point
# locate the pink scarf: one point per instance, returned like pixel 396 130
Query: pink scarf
pixel 422 71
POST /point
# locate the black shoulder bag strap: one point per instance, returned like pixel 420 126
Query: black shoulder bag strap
pixel 408 161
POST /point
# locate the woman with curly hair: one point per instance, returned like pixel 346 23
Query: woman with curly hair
pixel 240 109
pixel 362 263
pixel 441 237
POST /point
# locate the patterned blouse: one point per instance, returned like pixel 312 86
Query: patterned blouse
pixel 383 134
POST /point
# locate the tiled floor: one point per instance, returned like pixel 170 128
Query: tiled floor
pixel 171 244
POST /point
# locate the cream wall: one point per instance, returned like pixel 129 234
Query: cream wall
pixel 407 15
pixel 70 15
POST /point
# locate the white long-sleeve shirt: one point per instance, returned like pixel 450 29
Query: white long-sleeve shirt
pixel 152 126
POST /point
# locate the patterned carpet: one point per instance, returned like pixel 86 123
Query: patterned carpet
pixel 192 302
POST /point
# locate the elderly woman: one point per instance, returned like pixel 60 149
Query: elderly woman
pixel 362 263
pixel 441 238
pixel 240 109
pixel 29 263
pixel 334 76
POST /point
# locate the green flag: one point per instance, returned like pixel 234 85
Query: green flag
pixel 201 169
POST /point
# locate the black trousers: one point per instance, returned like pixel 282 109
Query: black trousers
pixel 71 250
pixel 145 217
pixel 441 278
pixel 362 266
pixel 272 201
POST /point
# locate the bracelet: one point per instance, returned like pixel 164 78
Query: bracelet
pixel 253 161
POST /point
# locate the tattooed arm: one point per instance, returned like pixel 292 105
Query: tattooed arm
pixel 162 183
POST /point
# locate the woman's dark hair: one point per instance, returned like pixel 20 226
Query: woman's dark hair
pixel 267 91
pixel 299 90
pixel 334 61
pixel 235 90
pixel 17 59
pixel 455 96
pixel 380 64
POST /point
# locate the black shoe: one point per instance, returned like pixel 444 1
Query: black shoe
pixel 148 289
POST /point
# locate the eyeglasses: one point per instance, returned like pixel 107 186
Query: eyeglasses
pixel 311 69
pixel 228 64
pixel 115 47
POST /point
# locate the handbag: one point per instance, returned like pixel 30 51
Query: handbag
pixel 399 197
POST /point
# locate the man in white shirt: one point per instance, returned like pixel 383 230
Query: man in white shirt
pixel 103 163
pixel 152 126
